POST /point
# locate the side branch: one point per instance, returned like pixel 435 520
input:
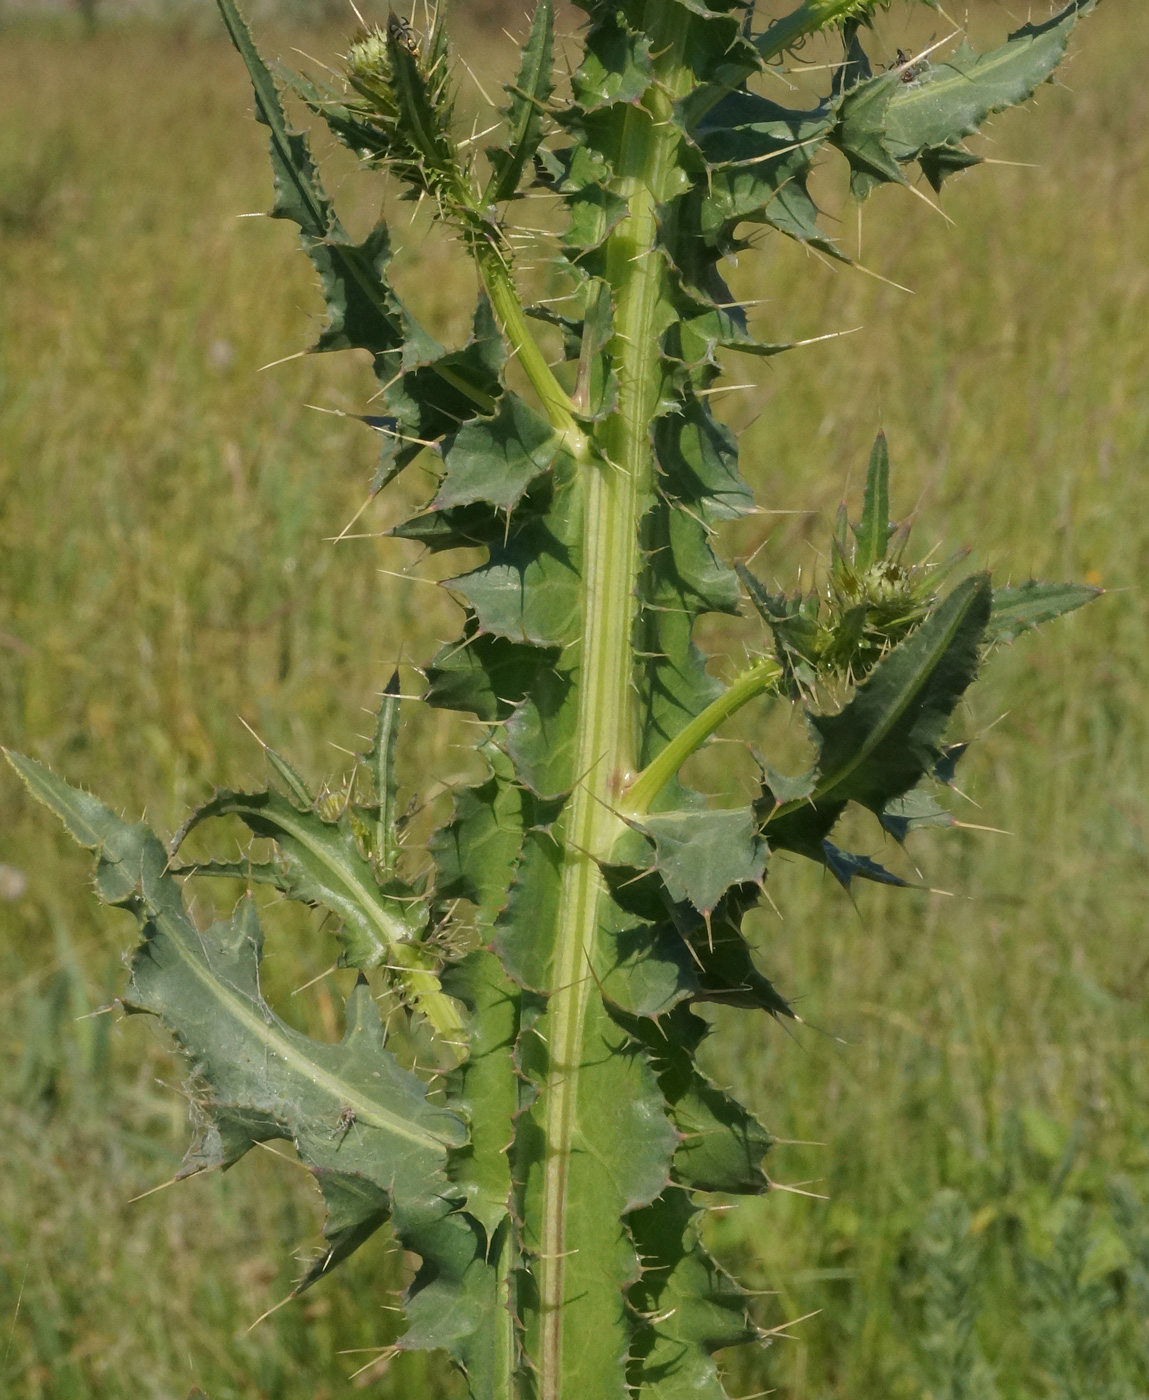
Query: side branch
pixel 640 795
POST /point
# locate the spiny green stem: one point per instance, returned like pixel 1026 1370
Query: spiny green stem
pixel 616 489
pixel 760 678
pixel 421 987
pixel 559 409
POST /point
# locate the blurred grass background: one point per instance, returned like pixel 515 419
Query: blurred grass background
pixel 974 1064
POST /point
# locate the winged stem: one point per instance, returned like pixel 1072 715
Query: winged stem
pixel 617 488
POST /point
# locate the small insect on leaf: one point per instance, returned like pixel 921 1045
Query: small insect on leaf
pixel 346 1122
pixel 399 29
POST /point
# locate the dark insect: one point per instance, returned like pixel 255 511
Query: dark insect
pixel 903 61
pixel 346 1122
pixel 399 29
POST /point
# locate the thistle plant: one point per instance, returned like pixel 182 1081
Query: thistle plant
pixel 554 942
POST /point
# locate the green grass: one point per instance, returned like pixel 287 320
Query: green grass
pixel 163 570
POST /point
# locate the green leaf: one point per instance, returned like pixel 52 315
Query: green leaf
pixel 959 92
pixel 875 529
pixel 722 1143
pixel 529 98
pixel 916 809
pixel 362 308
pixel 1024 606
pixel 699 854
pixel 759 157
pixel 846 867
pixel 529 588
pixel 860 134
pixel 290 778
pixel 889 735
pixel 496 459
pixel 354 1114
pixel 323 865
pixel 720 966
pixel 688 1306
pixel 485 674
pixel 381 759
pixel 885 122
pixel 298 194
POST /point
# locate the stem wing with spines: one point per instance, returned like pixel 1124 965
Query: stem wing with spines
pixel 687 1306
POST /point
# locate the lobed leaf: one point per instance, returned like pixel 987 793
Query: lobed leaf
pixel 924 112
pixel 722 1143
pixel 356 1117
pixel 497 459
pixel 687 1306
pixel 699 854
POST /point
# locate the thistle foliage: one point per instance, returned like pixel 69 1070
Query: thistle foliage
pixel 582 903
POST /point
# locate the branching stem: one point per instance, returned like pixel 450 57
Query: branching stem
pixel 758 680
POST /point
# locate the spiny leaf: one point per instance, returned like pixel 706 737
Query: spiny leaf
pixel 699 854
pixel 875 529
pixel 889 735
pixel 885 122
pixel 496 459
pixel 85 817
pixel 381 758
pixel 917 808
pixel 323 865
pixel 1023 606
pixel 352 1112
pixel 290 778
pixel 964 89
pixel 860 134
pixel 759 157
pixel 688 1307
pixel 722 1143
pixel 528 590
pixel 484 674
pixel 357 294
pixel 529 98
pixel 846 867
pixel 811 17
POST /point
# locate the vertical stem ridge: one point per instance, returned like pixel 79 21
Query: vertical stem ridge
pixel 616 489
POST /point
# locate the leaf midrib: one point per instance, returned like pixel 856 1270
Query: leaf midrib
pixel 272 1034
